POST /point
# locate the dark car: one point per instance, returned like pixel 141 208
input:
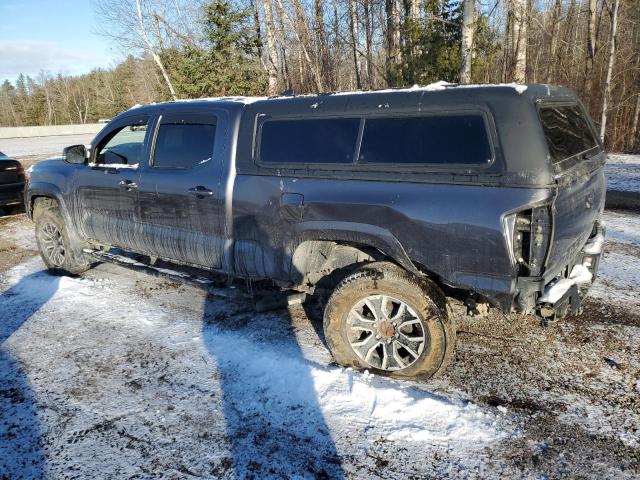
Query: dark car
pixel 387 202
pixel 11 183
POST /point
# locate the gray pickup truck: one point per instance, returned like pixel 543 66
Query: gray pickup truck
pixel 388 202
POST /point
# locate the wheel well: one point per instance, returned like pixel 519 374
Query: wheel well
pixel 47 200
pixel 323 263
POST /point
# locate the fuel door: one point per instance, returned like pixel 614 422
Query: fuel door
pixel 291 207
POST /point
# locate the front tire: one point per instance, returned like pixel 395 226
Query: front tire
pixel 57 250
pixel 384 319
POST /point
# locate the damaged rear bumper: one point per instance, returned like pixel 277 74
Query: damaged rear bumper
pixel 563 295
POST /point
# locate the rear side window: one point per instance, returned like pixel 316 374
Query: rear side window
pixel 432 139
pixel 566 131
pixel 184 141
pixel 327 140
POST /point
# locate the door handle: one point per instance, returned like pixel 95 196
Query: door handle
pixel 128 184
pixel 201 191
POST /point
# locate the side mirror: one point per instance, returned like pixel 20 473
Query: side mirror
pixel 75 154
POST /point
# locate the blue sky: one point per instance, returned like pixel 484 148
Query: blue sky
pixel 58 36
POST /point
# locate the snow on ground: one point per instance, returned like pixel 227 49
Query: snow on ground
pixel 622 227
pixel 180 384
pixel 13 229
pixel 623 158
pixel 41 147
pixel 623 172
pixel 116 374
pixel 619 272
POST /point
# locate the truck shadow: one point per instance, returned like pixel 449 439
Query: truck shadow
pixel 274 423
pixel 21 454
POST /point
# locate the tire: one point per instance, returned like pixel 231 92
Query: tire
pixel 365 321
pixel 58 251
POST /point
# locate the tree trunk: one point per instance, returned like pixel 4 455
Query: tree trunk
pixel 301 30
pixel 392 36
pixel 553 40
pixel 612 58
pixel 353 26
pixel 634 126
pixel 321 40
pixel 272 53
pixel 467 40
pixel 256 24
pixel 519 41
pixel 283 60
pixel 591 40
pixel 154 55
pixel 368 42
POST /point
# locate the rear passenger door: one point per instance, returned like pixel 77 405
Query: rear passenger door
pixel 180 210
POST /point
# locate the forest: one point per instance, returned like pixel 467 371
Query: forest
pixel 175 49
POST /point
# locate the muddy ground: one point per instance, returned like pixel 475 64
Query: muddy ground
pixel 560 401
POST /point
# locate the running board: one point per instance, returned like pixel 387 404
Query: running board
pixel 261 301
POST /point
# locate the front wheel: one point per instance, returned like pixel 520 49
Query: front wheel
pixel 57 250
pixel 385 319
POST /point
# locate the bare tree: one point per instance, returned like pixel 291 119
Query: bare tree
pixel 467 40
pixel 355 36
pixel 272 53
pixel 392 39
pixel 518 40
pixel 44 83
pixel 591 42
pixel 150 26
pixel 152 50
pixel 634 126
pixel 553 39
pixel 612 57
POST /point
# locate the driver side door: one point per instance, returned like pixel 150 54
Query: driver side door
pixel 107 188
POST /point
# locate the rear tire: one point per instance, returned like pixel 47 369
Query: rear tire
pixel 385 319
pixel 57 249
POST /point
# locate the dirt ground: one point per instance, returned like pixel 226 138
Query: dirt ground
pixel 560 401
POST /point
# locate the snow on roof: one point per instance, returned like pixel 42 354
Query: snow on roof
pixel 433 87
pixel 239 99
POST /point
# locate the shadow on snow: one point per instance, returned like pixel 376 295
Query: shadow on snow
pixel 274 422
pixel 21 455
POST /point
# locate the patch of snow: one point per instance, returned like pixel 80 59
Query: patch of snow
pixel 623 177
pixel 618 279
pixel 594 246
pixel 580 275
pixel 623 158
pixel 237 99
pixel 622 227
pixel 13 230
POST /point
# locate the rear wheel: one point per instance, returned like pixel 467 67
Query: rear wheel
pixel 59 253
pixel 385 319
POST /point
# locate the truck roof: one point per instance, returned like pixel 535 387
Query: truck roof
pixel 436 92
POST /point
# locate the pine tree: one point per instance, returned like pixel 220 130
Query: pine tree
pixel 229 65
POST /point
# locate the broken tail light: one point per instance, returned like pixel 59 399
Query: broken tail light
pixel 528 235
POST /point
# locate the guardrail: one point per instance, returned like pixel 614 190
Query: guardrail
pixel 50 130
